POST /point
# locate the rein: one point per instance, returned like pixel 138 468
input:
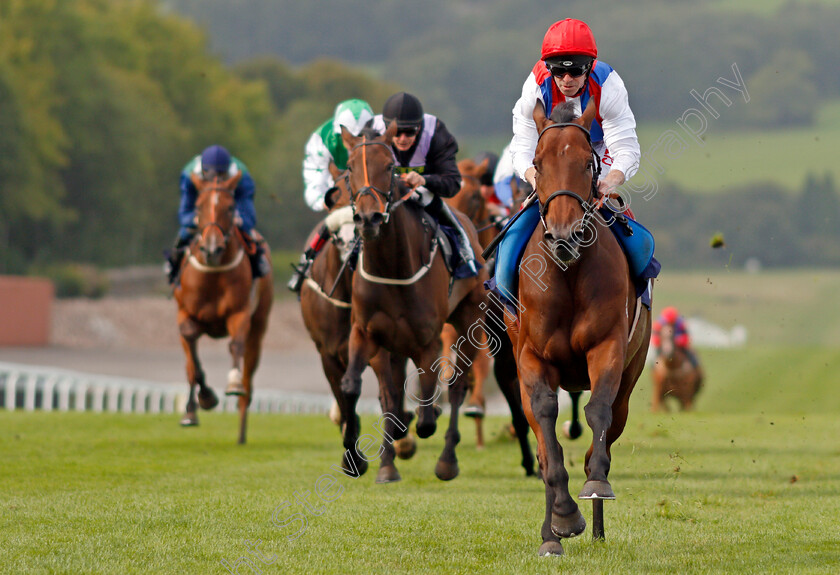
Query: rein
pixel 589 208
pixel 398 282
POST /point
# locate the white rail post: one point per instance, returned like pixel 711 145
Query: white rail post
pixel 11 390
pixel 80 403
pixel 49 392
pixel 64 395
pixel 99 398
pixel 31 386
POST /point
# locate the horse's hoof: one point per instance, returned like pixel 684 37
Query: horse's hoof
pixel 207 398
pixel 551 549
pixel 446 471
pixel 235 389
pixel 353 466
pixel 593 489
pixel 406 447
pixel 570 525
pixel 572 430
pixel 474 410
pixel 427 428
pixel 189 420
pixel 388 474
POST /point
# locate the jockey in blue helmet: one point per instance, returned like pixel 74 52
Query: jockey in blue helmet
pixel 212 162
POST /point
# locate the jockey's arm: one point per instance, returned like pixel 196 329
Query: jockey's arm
pixel 441 174
pixel 316 173
pixel 244 197
pixel 186 210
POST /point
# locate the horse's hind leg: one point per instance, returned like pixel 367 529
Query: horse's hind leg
pixel 388 399
pixel 405 443
pixel 504 368
pixel 572 428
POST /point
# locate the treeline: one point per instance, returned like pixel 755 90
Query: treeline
pixel 101 104
pixel 467 59
pixel 759 221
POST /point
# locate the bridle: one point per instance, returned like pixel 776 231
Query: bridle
pixel 369 189
pixel 589 205
pixel 201 236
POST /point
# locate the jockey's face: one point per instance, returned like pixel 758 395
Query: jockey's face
pixel 405 139
pixel 569 85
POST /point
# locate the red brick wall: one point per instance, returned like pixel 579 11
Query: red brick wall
pixel 25 311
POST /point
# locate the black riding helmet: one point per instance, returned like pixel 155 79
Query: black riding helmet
pixel 405 108
pixel 486 178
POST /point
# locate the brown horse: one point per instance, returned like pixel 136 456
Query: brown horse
pixel 673 374
pixel 471 203
pixel 217 297
pixel 576 333
pixel 326 312
pixel 401 299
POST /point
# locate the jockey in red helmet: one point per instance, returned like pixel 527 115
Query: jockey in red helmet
pixel 670 316
pixel 569 71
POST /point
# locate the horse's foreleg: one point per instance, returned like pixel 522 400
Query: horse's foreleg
pixel 238 326
pixel 447 465
pixel 605 375
pixel 562 515
pixel 190 333
pixel 361 349
pixel 253 349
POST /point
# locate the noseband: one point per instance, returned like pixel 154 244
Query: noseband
pixel 369 189
pixel 587 204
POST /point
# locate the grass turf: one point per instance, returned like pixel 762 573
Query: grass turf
pixel 697 493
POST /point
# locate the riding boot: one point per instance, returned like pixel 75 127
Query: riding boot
pixel 300 271
pixel 259 263
pixel 692 357
pixel 172 265
pixel 444 215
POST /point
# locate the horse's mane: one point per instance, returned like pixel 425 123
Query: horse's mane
pixel 564 113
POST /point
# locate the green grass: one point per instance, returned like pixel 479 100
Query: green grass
pixel 749 483
pixel 698 493
pixel 778 307
pixel 740 156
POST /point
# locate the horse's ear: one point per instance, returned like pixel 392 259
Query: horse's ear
pixel 233 181
pixel 588 114
pixel 334 171
pixel 348 138
pixel 391 132
pixel 539 116
pixel 481 169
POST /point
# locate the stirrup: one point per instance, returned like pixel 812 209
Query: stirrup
pixel 298 277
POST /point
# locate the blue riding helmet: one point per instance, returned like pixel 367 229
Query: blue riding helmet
pixel 215 158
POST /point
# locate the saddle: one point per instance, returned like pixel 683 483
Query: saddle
pixel 635 240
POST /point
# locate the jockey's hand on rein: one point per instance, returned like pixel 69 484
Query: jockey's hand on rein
pixel 413 179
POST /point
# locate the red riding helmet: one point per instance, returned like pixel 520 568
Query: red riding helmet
pixel 569 36
pixel 670 314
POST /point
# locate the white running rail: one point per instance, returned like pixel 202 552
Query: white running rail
pixel 31 387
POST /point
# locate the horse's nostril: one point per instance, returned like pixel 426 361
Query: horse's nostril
pixel 376 218
pixel 577 236
pixel 548 237
pixel 357 219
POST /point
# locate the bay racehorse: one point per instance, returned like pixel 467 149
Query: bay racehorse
pixel 674 374
pixel 217 296
pixel 325 307
pixel 574 332
pixel 401 299
pixel 471 203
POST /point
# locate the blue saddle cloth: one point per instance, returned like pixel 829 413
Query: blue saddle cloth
pixel 638 247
